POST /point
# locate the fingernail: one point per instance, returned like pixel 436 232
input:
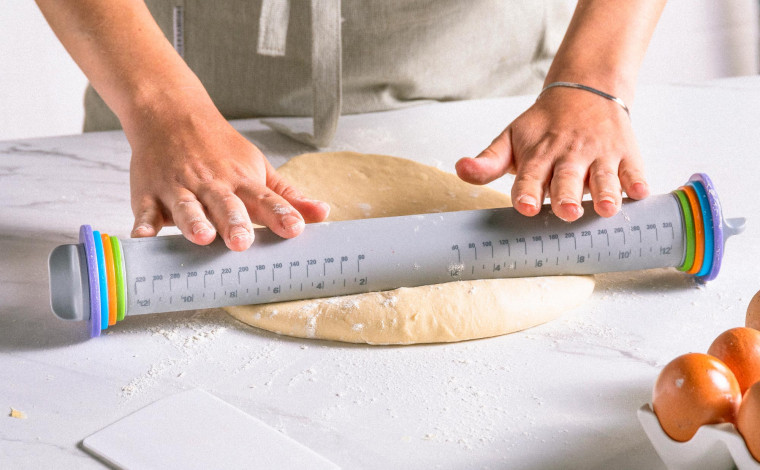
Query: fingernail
pixel 607 199
pixel 571 205
pixel 640 187
pixel 290 222
pixel 142 229
pixel 200 228
pixel 239 233
pixel 527 200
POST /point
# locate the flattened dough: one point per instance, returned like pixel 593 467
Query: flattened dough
pixel 364 186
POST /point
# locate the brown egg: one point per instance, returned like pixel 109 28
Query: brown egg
pixel 692 390
pixel 753 313
pixel 739 349
pixel 748 421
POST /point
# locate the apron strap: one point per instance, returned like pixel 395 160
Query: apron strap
pixel 273 27
pixel 326 68
pixel 326 63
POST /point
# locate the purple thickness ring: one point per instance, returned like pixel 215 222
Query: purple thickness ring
pixel 86 238
pixel 717 224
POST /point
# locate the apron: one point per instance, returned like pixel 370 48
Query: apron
pixel 321 58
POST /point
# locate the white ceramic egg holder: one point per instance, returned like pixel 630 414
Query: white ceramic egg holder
pixel 713 447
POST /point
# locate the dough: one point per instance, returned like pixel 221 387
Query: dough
pixel 364 186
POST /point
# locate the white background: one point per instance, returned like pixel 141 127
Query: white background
pixel 41 88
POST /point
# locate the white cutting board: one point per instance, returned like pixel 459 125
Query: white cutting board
pixel 196 430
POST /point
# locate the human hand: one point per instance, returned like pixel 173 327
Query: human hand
pixel 194 170
pixel 569 140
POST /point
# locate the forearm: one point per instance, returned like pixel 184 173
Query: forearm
pixel 605 44
pixel 123 53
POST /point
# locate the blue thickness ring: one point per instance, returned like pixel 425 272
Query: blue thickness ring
pixel 103 281
pixel 717 224
pixel 704 205
pixel 86 238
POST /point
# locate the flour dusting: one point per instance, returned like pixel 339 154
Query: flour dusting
pixel 281 210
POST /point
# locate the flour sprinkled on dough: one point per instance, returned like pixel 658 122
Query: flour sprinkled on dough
pixel 281 210
pixel 390 301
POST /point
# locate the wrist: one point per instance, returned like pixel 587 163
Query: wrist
pixel 160 104
pixel 607 79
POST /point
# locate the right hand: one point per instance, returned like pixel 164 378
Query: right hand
pixel 192 169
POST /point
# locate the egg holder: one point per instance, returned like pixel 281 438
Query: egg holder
pixel 713 447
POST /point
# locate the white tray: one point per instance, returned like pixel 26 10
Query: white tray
pixel 713 447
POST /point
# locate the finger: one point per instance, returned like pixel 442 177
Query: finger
pixel 604 184
pixel 190 218
pixel 311 210
pixel 272 210
pixel 492 163
pixel 632 178
pixel 530 181
pixel 566 189
pixel 230 217
pixel 148 219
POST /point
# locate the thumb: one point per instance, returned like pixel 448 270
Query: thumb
pixel 491 163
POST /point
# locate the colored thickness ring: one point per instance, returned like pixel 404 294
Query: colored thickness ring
pixel 121 283
pixel 110 278
pixel 689 225
pixel 699 229
pixel 717 226
pixel 87 239
pixel 102 280
pixel 704 204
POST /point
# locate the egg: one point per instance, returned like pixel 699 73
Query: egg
pixel 693 390
pixel 739 349
pixel 748 420
pixel 753 313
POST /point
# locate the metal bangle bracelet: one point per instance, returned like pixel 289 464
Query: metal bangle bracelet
pixel 588 88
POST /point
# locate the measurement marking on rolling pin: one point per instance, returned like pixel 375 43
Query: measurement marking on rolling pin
pixel 139 279
pixel 525 245
pixel 189 275
pixel 156 277
pixel 172 276
pixel 506 242
pixel 587 233
pixel 620 231
pixel 487 245
pixel 656 233
pixel 603 232
pixel 636 228
pixel 572 235
pixel 242 269
pixel 206 273
pixel 221 276
pixel 538 238
pixel 459 253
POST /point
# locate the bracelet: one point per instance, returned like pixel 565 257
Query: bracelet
pixel 588 88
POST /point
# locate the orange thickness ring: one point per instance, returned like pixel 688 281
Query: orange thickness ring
pixel 111 277
pixel 699 229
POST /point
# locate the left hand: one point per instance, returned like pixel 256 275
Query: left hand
pixel 568 141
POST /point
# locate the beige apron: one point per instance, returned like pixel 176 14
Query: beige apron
pixel 255 56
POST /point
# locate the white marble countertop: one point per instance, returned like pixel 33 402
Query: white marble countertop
pixel 562 395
